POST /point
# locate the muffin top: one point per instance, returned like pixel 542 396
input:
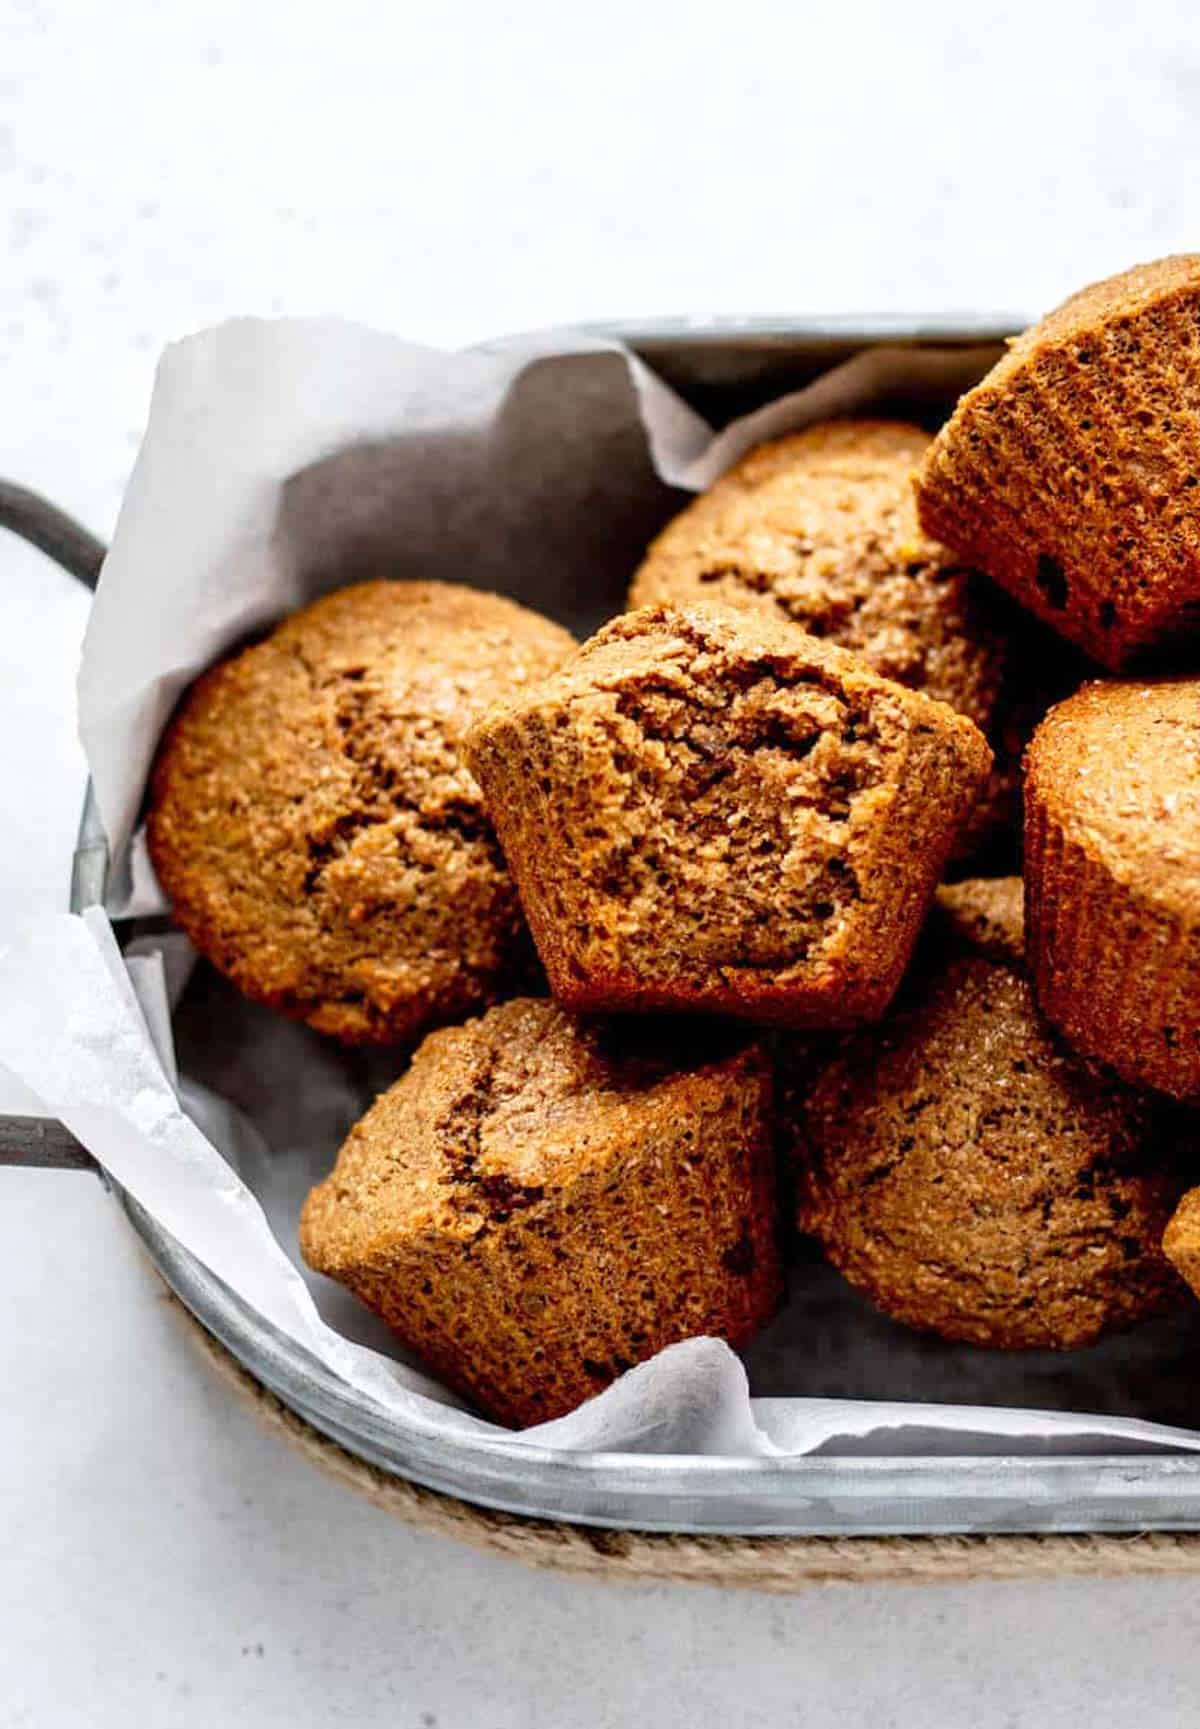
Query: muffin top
pixel 313 824
pixel 1118 764
pixel 820 528
pixel 496 1115
pixel 968 1170
pixel 1125 295
pixel 966 1063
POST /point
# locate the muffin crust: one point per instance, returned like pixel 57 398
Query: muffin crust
pixel 1112 868
pixel 1071 474
pixel 314 826
pixel 968 1173
pixel 539 1203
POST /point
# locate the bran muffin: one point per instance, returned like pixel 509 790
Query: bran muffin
pixel 1071 474
pixel 707 810
pixel 971 1175
pixel 820 528
pixel 1112 871
pixel 313 824
pixel 540 1203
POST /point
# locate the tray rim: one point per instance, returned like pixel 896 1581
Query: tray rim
pixel 688 1494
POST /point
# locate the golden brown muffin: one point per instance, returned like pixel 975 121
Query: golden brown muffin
pixel 820 528
pixel 706 810
pixel 1181 1240
pixel 314 827
pixel 968 1173
pixel 1071 474
pixel 540 1203
pixel 1112 871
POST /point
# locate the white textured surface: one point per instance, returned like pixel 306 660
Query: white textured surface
pixel 453 171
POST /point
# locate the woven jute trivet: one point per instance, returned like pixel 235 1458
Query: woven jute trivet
pixel 763 1563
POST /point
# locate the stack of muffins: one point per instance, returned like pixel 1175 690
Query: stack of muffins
pixel 723 827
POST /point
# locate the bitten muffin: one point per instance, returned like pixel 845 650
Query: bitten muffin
pixel 314 826
pixel 820 528
pixel 1112 870
pixel 968 1173
pixel 540 1203
pixel 706 810
pixel 1071 474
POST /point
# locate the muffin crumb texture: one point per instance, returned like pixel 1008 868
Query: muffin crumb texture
pixel 705 810
pixel 540 1203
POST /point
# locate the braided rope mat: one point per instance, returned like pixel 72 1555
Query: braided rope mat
pixel 779 1564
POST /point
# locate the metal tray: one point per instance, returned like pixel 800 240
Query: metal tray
pixel 723 369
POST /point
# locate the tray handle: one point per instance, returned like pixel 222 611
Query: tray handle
pixel 50 529
pixel 41 1143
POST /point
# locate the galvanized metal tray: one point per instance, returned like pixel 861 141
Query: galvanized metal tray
pixel 723 369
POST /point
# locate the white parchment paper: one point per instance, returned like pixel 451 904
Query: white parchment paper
pixel 280 459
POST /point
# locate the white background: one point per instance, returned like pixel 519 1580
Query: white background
pixel 450 172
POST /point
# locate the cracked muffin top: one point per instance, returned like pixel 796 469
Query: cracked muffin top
pixel 314 827
pixel 495 1115
pixel 968 1172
